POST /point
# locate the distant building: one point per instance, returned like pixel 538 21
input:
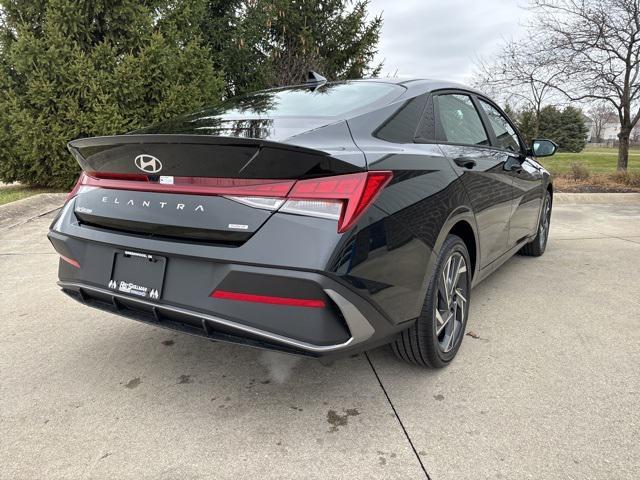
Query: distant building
pixel 609 130
pixel 588 122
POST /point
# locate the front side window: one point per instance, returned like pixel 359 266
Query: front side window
pixel 460 120
pixel 505 134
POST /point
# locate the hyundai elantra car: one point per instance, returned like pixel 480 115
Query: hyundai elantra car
pixel 321 220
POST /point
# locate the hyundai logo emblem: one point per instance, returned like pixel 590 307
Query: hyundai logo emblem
pixel 148 163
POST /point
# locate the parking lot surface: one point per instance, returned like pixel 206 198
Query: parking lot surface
pixel 547 387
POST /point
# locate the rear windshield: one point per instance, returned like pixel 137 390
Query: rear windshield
pixel 327 101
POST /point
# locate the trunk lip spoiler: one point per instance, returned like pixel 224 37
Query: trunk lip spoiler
pixel 187 139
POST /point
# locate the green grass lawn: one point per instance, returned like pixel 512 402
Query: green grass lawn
pixel 11 193
pixel 596 159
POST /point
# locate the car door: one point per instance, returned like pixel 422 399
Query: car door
pixel 527 180
pixel 465 140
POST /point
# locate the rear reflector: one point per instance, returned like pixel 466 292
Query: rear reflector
pixel 248 297
pixel 342 197
pixel 70 261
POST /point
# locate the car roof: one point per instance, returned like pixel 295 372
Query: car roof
pixel 414 86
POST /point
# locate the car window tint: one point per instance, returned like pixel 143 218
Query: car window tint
pixel 402 125
pixel 460 120
pixel 427 126
pixel 505 134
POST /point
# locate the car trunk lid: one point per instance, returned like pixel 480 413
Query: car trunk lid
pixel 201 188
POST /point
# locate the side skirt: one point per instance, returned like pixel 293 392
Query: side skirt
pixel 498 262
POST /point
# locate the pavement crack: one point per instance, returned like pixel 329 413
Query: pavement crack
pixel 26 220
pixel 395 412
pixel 604 237
pixel 625 239
pixel 637 242
pixel 580 238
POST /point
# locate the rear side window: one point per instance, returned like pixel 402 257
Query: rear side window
pixel 459 120
pixel 402 125
pixel 505 134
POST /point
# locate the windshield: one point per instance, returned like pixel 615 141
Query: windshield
pixel 326 101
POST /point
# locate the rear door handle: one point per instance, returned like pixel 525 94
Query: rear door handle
pixel 465 162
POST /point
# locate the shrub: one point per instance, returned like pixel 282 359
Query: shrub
pixel 630 179
pixel 577 171
pixel 72 69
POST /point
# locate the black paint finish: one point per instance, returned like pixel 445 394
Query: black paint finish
pixel 489 196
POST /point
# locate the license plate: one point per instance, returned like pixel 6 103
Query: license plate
pixel 138 274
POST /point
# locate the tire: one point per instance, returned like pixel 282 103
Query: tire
pixel 434 339
pixel 538 245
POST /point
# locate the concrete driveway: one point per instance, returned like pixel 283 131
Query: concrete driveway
pixel 548 386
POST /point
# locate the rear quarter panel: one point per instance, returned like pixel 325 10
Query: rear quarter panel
pixel 390 259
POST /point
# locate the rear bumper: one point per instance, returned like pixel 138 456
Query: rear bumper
pixel 215 327
pixel 347 325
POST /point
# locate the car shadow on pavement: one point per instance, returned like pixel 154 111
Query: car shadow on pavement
pixel 142 355
pixel 135 362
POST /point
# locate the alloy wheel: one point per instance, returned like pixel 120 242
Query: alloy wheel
pixel 451 303
pixel 544 222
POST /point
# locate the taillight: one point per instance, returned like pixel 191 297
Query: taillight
pixel 81 186
pixel 76 187
pixel 265 203
pixel 330 209
pixel 344 197
pixel 189 185
pixel 341 197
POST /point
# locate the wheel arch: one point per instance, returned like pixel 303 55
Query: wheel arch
pixel 464 230
pixel 462 223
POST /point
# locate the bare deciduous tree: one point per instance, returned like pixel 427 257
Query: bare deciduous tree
pixel 588 50
pixel 595 47
pixel 601 114
pixel 519 74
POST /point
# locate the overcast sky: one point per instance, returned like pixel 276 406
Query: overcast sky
pixel 441 38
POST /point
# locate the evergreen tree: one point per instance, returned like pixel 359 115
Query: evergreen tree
pixel 72 69
pixel 528 125
pixel 77 68
pixel 550 123
pixel 266 43
pixel 511 113
pixel 574 131
pixel 565 127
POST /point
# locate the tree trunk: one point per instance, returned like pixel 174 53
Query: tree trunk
pixel 623 150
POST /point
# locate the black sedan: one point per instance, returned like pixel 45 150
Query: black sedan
pixel 320 220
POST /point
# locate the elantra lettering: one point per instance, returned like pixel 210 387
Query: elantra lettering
pixel 147 204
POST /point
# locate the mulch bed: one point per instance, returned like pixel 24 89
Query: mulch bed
pixel 593 184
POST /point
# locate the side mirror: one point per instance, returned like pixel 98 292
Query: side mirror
pixel 541 147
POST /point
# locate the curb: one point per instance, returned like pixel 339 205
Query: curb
pixel 596 198
pixel 22 211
